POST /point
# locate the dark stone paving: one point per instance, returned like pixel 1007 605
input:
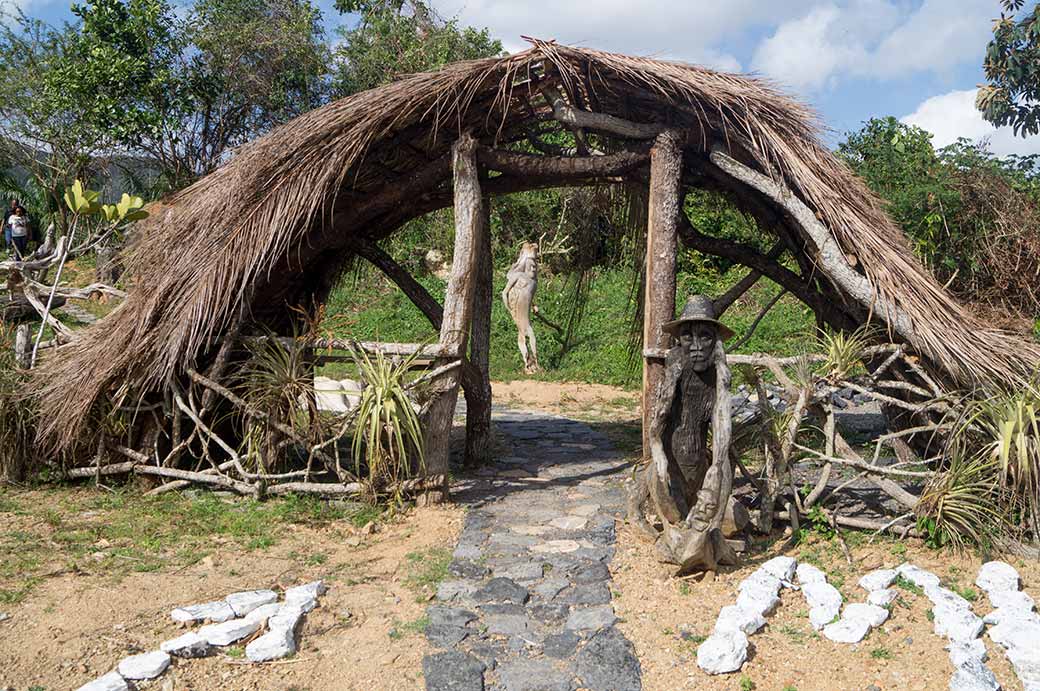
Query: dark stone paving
pixel 527 607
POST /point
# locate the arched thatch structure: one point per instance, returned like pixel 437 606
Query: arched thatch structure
pixel 275 225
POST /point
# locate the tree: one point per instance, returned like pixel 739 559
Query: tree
pixel 973 218
pixel 1012 67
pixel 395 38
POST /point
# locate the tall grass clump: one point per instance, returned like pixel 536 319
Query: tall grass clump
pixel 964 504
pixel 388 439
pixel 843 351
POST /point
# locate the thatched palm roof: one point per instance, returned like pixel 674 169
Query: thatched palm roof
pixel 275 223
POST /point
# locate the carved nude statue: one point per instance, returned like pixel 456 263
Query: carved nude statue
pixel 688 483
pixel 518 296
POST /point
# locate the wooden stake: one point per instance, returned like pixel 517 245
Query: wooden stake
pixel 478 382
pixel 666 164
pixel 458 306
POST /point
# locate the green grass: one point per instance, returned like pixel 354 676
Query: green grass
pixel 908 586
pixel 409 628
pixel 425 570
pixel 881 653
pixel 746 684
pixel 83 531
pixel 370 308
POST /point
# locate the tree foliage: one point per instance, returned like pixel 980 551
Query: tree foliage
pixel 1012 67
pixel 972 217
pixel 394 38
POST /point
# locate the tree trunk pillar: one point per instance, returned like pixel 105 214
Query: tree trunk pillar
pixel 458 307
pixel 661 233
pixel 478 383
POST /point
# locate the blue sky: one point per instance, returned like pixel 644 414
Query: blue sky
pixel 919 60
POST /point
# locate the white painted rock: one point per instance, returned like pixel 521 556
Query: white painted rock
pixel 1026 662
pixel 246 601
pixel 144 666
pixel 1016 634
pixel 944 597
pixel 305 596
pixel 872 614
pixel 723 652
pixel 997 575
pixel 882 598
pixel 287 618
pixel 110 682
pixel 229 631
pixel 965 651
pixel 1017 600
pixel 761 602
pixel 973 676
pixel 189 645
pixel 782 568
pixel 878 580
pixel 313 589
pixel 847 630
pixel 569 522
pixel 762 581
pixel 917 576
pixel 956 624
pixel 1006 615
pixel 807 573
pixel 824 602
pixel 208 611
pixel 264 612
pixel 733 618
pixel 273 645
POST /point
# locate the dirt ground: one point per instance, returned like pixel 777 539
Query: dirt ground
pixel 666 618
pixel 75 623
pixel 366 634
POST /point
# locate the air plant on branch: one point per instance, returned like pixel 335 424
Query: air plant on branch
pixel 388 438
pixel 843 351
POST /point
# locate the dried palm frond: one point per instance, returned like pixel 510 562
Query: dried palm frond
pixel 286 206
pixel 17 414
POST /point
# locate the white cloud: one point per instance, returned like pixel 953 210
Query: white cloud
pixel 879 39
pixel 952 115
pixel 691 30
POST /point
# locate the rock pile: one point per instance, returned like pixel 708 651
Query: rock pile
pixel 725 650
pixel 232 619
pixel 1014 623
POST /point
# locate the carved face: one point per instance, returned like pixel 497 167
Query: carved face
pixel 529 251
pixel 698 343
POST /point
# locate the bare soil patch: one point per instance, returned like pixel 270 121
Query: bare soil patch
pixel 666 618
pixel 74 625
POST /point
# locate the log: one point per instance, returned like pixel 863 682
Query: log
pixel 524 164
pixel 572 117
pixel 745 284
pixel 16 308
pixel 829 256
pixel 666 165
pixel 426 351
pixel 415 291
pixel 458 304
pixel 477 378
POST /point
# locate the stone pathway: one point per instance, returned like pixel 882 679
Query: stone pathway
pixel 529 604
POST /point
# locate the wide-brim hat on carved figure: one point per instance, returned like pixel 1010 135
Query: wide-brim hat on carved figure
pixel 698 308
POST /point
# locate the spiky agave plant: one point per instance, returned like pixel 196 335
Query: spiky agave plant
pixel 843 351
pixel 1004 429
pixel 388 439
pixel 278 380
pixel 964 504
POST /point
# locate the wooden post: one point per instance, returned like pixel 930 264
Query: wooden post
pixel 458 307
pixel 477 380
pixel 662 225
pixel 21 346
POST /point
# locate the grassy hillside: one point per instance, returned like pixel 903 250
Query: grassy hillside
pixel 371 308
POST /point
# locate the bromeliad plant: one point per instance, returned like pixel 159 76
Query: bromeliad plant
pixel 1003 430
pixel 843 352
pixel 388 439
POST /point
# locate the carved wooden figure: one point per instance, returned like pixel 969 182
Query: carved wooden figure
pixel 518 296
pixel 687 483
